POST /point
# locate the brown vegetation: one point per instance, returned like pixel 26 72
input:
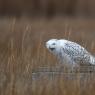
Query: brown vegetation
pixel 22 49
pixel 47 7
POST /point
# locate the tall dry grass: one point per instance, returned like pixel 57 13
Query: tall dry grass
pixel 22 50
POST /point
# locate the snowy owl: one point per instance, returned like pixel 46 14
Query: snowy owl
pixel 70 52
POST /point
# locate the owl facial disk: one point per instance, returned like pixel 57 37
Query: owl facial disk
pixel 51 44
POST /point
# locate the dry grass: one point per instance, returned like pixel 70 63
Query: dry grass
pixel 22 49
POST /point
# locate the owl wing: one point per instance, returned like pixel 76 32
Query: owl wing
pixel 76 52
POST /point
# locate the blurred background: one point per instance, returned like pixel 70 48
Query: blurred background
pixel 47 8
pixel 25 26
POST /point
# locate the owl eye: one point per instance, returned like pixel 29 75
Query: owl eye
pixel 53 44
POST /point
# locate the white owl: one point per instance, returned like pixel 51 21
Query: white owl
pixel 70 52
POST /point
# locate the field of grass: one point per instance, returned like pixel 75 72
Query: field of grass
pixel 22 50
